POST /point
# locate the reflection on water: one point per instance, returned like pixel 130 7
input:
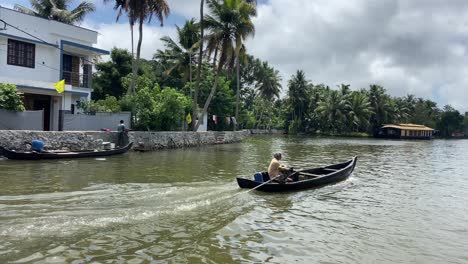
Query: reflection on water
pixel 405 203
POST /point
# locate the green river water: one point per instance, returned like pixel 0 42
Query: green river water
pixel 406 202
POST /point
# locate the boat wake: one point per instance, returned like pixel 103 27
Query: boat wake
pixel 101 206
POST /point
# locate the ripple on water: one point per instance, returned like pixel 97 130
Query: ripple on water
pixel 405 203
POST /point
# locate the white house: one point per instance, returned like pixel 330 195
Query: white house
pixel 35 53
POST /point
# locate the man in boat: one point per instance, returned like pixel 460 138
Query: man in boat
pixel 121 130
pixel 277 170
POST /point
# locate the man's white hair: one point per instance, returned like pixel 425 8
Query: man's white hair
pixel 277 155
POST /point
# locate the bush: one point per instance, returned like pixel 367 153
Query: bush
pixel 10 99
pixel 154 109
pixel 109 105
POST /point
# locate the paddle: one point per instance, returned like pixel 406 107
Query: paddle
pixel 263 183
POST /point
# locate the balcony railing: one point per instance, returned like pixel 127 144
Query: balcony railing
pixel 77 79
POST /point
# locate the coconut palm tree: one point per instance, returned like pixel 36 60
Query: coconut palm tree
pixel 298 89
pixel 359 110
pixel 384 107
pixel 199 68
pixel 58 10
pixel 333 109
pixel 268 82
pixel 230 23
pixel 244 29
pixel 181 55
pixel 123 6
pixel 140 11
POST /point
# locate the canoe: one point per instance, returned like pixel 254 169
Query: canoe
pixel 32 155
pixel 307 178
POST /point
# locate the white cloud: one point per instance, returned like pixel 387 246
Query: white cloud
pixel 416 47
pixel 118 35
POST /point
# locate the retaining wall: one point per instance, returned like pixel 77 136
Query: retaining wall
pixel 79 140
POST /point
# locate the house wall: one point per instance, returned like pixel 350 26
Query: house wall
pixel 48 57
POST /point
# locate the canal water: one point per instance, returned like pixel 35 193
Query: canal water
pixel 406 202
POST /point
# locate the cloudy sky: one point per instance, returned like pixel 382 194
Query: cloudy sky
pixel 409 46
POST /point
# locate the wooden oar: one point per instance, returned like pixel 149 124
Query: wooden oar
pixel 263 183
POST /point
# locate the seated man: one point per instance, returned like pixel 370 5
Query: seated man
pixel 277 171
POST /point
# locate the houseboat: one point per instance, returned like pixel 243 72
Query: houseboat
pixel 405 131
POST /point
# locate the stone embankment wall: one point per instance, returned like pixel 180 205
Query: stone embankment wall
pixel 79 140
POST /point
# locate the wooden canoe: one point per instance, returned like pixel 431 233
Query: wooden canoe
pixel 32 155
pixel 307 178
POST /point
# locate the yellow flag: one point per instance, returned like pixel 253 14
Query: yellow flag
pixel 60 86
pixel 189 118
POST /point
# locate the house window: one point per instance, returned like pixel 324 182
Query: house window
pixel 21 53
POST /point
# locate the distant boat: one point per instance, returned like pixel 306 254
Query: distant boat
pixel 405 131
pixel 33 155
pixel 308 178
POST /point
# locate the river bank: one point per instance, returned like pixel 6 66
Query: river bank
pixel 143 140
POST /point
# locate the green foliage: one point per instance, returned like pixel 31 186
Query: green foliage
pixel 155 109
pixel 178 57
pixel 268 81
pixel 107 81
pixel 58 10
pixel 450 121
pixel 110 105
pixel 141 82
pixel 9 98
pixel 224 100
pixel 465 123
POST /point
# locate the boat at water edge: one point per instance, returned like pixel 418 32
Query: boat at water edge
pixel 33 155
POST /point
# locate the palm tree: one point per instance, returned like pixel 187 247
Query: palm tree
pixel 123 6
pixel 180 55
pixel 199 68
pixel 58 10
pixel 230 23
pixel 139 11
pixel 298 89
pixel 244 30
pixel 333 109
pixel 359 110
pixel 268 82
pixel 383 106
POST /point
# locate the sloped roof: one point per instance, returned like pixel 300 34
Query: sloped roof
pixel 409 127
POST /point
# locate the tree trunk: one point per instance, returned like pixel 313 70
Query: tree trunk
pixel 200 61
pixel 215 57
pixel 238 92
pixel 136 65
pixel 208 100
pixel 133 51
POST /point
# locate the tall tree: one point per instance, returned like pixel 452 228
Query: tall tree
pixel 359 111
pixel 245 28
pixel 179 55
pixel 229 22
pixel 140 11
pixel 58 10
pixel 297 93
pixel 107 81
pixel 199 69
pixel 268 82
pixel 333 109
